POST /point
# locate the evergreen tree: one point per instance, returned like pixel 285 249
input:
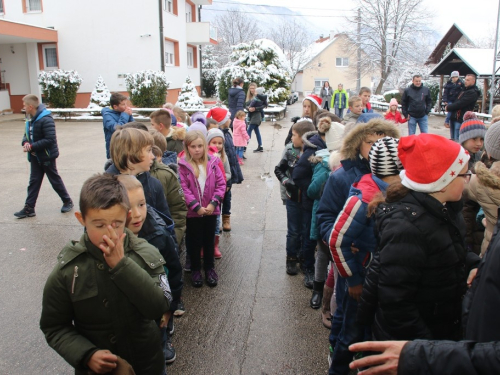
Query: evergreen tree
pixel 188 97
pixel 101 94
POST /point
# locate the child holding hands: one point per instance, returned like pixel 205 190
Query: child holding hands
pixel 393 113
pixel 240 135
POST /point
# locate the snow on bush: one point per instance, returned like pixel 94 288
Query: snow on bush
pixel 59 87
pixel 188 97
pixel 101 94
pixel 262 62
pixel 209 70
pixel 147 88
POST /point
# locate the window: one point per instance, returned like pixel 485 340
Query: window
pixel 169 53
pixel 189 14
pixel 49 56
pixel 169 6
pixel 342 61
pixel 318 84
pixel 33 5
pixel 1 7
pixel 190 57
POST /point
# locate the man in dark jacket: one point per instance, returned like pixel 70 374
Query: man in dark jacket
pixel 416 104
pixel 466 101
pixel 40 144
pixel 451 90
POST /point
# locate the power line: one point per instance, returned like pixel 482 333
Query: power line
pixel 278 6
pixel 272 14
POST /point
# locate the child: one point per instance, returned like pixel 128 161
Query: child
pixel 118 113
pixel 146 223
pixel 340 99
pixel 393 114
pixel 102 298
pixel 161 120
pixel 204 187
pixel 365 94
pixel 222 116
pixel 182 117
pixel 290 194
pixel 310 105
pixel 157 153
pixel 240 134
pixel 355 110
pixel 255 109
pixel 212 124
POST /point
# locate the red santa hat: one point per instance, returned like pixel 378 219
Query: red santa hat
pixel 430 161
pixel 314 99
pixel 219 114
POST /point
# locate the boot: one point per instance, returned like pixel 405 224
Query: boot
pixel 317 295
pixel 226 223
pixel 291 266
pixel 308 278
pixel 217 254
pixel 326 315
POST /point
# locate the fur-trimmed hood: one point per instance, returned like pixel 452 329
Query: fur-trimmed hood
pixel 177 134
pixel 310 142
pixel 352 141
pixel 488 177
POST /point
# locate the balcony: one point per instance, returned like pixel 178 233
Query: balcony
pixel 200 33
pixel 202 2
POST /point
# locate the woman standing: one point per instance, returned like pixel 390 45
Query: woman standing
pixel 255 107
pixel 236 98
pixel 326 95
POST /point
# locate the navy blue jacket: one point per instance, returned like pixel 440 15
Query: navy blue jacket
pixel 452 90
pixel 236 174
pixel 44 141
pixel 236 100
pixel 111 118
pixel 416 101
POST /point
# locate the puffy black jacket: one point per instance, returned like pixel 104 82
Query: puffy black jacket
pixel 417 280
pixel 235 100
pixel 416 101
pixel 44 141
pixel 466 101
pixel 452 90
pixel 236 174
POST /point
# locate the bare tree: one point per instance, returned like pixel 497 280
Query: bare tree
pixel 234 27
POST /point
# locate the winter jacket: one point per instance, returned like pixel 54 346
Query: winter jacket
pixel 395 117
pixel 215 187
pixel 111 118
pixel 416 101
pixel 174 195
pixel 240 134
pixel 353 226
pixel 212 151
pixel 303 171
pixel 326 95
pixel 466 101
pixel 259 103
pixel 484 188
pixel 42 136
pixel 288 138
pixel 153 190
pixel 235 100
pixel 349 121
pixel 88 307
pixel 368 108
pixel 417 279
pixel 175 139
pixel 159 234
pixel 169 158
pixel 283 172
pixel 452 90
pixel 236 175
pixel 340 99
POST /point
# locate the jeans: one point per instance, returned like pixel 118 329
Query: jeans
pixel 455 130
pixel 422 124
pixel 448 115
pixel 226 203
pixel 339 112
pixel 257 133
pixel 294 225
pixel 200 233
pixel 38 170
pixel 326 105
pixel 308 245
pixel 322 262
pixel 217 226
pixel 239 151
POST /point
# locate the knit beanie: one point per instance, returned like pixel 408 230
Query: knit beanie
pixel 198 117
pixel 430 161
pixel 315 99
pixel 259 90
pixel 200 127
pixel 214 133
pixel 393 101
pixel 333 132
pixel 383 157
pixel 221 115
pixel 455 74
pixel 472 127
pixel 492 141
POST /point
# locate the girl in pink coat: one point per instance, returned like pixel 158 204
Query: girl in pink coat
pixel 240 135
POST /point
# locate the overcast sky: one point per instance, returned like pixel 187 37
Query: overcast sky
pixel 476 18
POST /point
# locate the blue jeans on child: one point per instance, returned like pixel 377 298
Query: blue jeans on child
pixel 422 124
pixel 455 129
pixel 298 238
pixel 226 203
pixel 239 151
pixel 448 115
pixel 257 133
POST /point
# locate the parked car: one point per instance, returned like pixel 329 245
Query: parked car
pixel 292 98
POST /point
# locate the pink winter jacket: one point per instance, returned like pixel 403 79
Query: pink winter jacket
pixel 240 135
pixel 215 186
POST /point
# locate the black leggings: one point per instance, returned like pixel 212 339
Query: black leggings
pixel 200 233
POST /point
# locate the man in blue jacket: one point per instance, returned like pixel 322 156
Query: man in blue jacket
pixel 118 113
pixel 40 144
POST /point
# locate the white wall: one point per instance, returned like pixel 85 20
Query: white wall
pixel 16 68
pixel 4 100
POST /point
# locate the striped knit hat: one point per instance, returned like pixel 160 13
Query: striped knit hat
pixel 472 127
pixel 383 156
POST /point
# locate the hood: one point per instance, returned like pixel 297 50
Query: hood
pixel 310 141
pixel 319 155
pixel 350 115
pixel 176 133
pixel 261 97
pixel 233 91
pixel 41 111
pixel 488 177
pixel 334 160
pixel 353 140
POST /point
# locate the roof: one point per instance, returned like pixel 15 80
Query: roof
pixel 478 61
pixel 315 49
pixel 453 35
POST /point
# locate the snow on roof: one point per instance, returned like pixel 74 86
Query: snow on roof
pixel 314 50
pixel 480 60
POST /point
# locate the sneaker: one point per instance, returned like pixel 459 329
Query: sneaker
pixel 309 278
pixel 180 309
pixel 67 206
pixel 291 266
pixel 187 265
pixel 211 277
pixel 197 279
pixel 170 327
pixel 27 211
pixel 259 149
pixel 169 351
pixel 330 357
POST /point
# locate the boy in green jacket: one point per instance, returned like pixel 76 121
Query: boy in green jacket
pixel 105 292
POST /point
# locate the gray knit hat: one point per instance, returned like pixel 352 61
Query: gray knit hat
pixel 492 141
pixel 383 156
pixel 214 133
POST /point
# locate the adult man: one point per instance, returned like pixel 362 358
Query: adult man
pixel 465 102
pixel 416 104
pixel 40 144
pixel 452 89
pixel 340 98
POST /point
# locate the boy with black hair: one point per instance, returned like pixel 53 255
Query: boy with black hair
pixel 118 113
pixel 101 299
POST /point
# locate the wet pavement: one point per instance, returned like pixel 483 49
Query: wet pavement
pixel 256 321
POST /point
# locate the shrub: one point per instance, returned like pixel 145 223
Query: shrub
pixel 148 88
pixel 59 87
pixel 188 97
pixel 388 95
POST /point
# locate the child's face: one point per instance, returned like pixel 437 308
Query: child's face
pixel 365 98
pixel 306 109
pixel 197 149
pixel 217 142
pixel 138 209
pixel 366 145
pixel 296 139
pixel 120 107
pixel 357 107
pixel 96 222
pixel 453 192
pixel 212 126
pixel 156 126
pixel 147 158
pixel 473 145
pixel 394 108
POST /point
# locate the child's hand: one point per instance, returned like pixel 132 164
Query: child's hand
pixel 201 211
pixel 209 210
pixel 128 111
pixel 102 362
pixel 27 147
pixel 113 253
pixel 165 318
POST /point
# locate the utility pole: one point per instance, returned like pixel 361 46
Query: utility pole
pixel 358 76
pixel 493 86
pixel 162 41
